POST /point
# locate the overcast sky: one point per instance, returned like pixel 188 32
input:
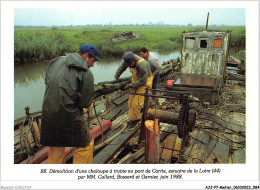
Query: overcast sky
pixel 120 15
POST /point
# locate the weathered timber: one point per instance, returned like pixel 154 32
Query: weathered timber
pixel 107 87
pixel 168 145
pixel 101 145
pixel 121 99
pixel 39 122
pixel 210 148
pixel 200 136
pixel 140 160
pixel 36 132
pixel 115 111
pixel 124 158
pixel 188 149
pixel 166 69
pixel 212 159
pixel 221 151
pixel 236 77
pixel 238 157
pixel 177 147
pixel 203 94
pixel 115 81
pixel 139 157
pixel 167 129
pixel 196 153
pixel 116 155
pixel 21 120
pixel 112 114
pixel 119 120
pixel 110 86
pixel 107 153
pixel 131 158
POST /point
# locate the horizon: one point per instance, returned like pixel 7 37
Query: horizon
pixel 129 16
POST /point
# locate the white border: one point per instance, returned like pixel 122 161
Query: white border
pixel 29 175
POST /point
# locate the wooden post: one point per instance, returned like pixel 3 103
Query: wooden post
pixel 36 132
pixel 207 22
pixel 39 122
pixel 152 141
pixel 107 101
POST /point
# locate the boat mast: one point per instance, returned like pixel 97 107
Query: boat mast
pixel 207 22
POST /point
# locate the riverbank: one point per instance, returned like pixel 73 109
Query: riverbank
pixel 39 44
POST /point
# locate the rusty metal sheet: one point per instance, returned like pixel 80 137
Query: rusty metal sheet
pixel 195 81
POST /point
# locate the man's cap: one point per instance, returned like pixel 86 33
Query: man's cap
pixel 128 57
pixel 91 50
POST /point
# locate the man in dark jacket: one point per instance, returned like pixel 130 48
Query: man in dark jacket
pixel 69 89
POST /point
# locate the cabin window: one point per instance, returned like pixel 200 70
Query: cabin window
pixel 203 43
pixel 189 42
pixel 217 43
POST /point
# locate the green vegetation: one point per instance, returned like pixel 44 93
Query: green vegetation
pixel 40 44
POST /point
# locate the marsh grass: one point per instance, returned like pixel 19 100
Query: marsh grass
pixel 39 45
pixel 32 45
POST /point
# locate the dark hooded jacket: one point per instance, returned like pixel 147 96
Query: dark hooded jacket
pixel 69 88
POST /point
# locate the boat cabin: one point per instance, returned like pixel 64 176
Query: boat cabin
pixel 203 59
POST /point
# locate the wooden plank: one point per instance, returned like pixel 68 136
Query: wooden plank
pixel 119 120
pixel 196 153
pixel 200 136
pixel 221 151
pixel 210 148
pixel 112 114
pixel 177 148
pixel 134 156
pixel 211 159
pixel 106 154
pixel 140 160
pixel 165 130
pixel 168 146
pixel 115 111
pixel 195 81
pixel 188 150
pixel 122 99
pixel 238 157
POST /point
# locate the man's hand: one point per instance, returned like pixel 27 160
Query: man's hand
pixel 127 86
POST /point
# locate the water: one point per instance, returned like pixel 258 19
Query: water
pixel 29 83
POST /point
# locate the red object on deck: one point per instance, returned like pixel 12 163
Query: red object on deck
pixel 169 82
pixel 41 156
pixel 152 148
pixel 97 130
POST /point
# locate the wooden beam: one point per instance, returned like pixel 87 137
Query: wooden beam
pixel 107 153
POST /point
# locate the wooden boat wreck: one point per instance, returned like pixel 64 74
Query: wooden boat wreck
pixel 190 130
